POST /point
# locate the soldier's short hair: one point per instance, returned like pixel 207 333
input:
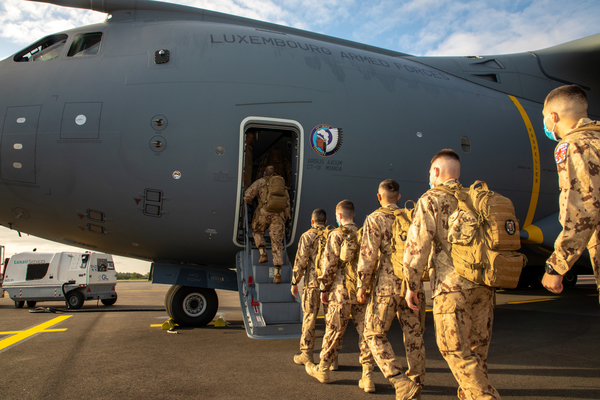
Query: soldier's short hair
pixel 445 153
pixel 319 216
pixel 346 208
pixel 568 93
pixel 390 188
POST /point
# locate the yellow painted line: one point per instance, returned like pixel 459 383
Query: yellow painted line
pixel 535 153
pixel 593 295
pixel 536 236
pixel 18 336
pixel 529 301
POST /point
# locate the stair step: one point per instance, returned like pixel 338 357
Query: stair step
pixel 277 313
pixel 273 293
pixel 263 273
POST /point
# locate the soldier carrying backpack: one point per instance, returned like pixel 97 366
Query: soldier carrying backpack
pixel 272 212
pixel 462 309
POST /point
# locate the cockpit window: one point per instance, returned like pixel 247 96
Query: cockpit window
pixel 46 49
pixel 85 45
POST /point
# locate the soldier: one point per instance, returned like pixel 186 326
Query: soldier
pixel 309 245
pixel 462 310
pixel 282 165
pixel 338 291
pixel 577 159
pixel 387 299
pixel 263 219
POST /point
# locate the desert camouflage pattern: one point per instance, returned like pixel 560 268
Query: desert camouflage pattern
pixel 304 265
pixel 579 181
pixel 263 219
pixel 311 302
pixel 430 222
pixel 463 310
pixel 333 280
pixel 333 277
pixel 377 236
pixel 463 330
pixel 387 301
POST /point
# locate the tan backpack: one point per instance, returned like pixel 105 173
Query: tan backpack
pixel 484 233
pixel 402 220
pixel 322 234
pixel 349 252
pixel 276 199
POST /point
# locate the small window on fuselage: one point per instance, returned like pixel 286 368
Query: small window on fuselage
pixel 46 49
pixel 85 45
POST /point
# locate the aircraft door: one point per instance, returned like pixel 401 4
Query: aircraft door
pixel 269 141
pixel 19 137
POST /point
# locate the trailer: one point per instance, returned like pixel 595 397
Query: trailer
pixel 75 277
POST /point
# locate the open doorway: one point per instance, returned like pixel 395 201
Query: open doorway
pixel 273 142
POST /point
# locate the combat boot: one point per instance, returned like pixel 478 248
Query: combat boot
pixel 277 275
pixel 366 382
pixel 263 255
pixel 405 388
pixel 334 364
pixel 319 371
pixel 304 357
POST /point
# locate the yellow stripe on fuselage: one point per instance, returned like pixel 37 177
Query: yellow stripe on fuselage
pixel 535 191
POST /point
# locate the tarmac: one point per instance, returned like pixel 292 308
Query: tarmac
pixel 544 346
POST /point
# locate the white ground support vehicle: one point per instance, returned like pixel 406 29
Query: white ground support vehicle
pixel 32 277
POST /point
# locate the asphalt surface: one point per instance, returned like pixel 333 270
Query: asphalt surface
pixel 548 349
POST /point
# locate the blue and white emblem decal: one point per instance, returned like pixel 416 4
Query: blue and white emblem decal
pixel 560 154
pixel 326 140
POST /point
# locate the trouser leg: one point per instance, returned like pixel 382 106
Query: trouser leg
pixel 276 232
pixel 358 319
pixel 412 329
pixel 380 313
pixel 463 324
pixel 310 309
pixel 336 322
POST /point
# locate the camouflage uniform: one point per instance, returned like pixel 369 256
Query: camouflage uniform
pixel 341 302
pixel 263 219
pixel 462 310
pixel 578 163
pixel 308 248
pixel 387 299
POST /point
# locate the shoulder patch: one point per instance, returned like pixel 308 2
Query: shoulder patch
pixel 560 154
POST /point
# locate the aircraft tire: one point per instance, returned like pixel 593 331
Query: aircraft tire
pixel 193 307
pixel 109 302
pixel 570 279
pixel 75 299
pixel 169 299
pixel 19 304
pixel 31 304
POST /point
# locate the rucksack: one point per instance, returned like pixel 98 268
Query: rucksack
pixel 484 233
pixel 276 199
pixel 322 234
pixel 402 220
pixel 349 252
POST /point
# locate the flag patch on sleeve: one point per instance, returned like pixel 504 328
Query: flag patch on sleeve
pixel 560 154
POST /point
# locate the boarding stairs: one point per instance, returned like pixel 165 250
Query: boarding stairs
pixel 269 309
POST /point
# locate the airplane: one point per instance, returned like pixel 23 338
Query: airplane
pixel 127 137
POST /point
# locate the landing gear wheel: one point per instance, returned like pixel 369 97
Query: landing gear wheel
pixel 109 302
pixel 190 306
pixel 19 304
pixel 31 304
pixel 75 299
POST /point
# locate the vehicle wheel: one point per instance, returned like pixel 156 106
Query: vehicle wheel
pixel 570 279
pixel 19 304
pixel 169 299
pixel 31 304
pixel 75 299
pixel 192 306
pixel 109 302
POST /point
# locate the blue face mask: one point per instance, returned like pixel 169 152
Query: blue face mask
pixel 550 134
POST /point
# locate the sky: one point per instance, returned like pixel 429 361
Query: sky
pixel 417 27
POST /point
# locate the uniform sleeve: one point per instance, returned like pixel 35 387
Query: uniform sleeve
pixel 419 242
pixel 578 209
pixel 302 258
pixel 251 193
pixel 369 252
pixel 329 262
